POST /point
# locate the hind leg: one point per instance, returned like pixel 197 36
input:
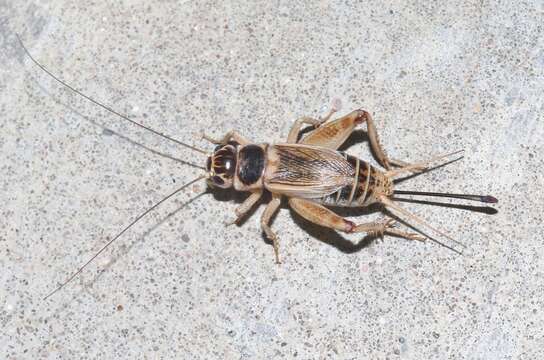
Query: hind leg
pixel 320 215
pixel 333 134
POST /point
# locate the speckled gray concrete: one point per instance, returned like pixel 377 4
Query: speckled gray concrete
pixel 179 284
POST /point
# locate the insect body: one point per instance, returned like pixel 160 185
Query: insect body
pixel 313 174
pixel 310 172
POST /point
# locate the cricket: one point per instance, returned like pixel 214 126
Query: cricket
pixel 308 170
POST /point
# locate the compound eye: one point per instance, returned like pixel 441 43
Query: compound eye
pixel 229 166
pixel 217 148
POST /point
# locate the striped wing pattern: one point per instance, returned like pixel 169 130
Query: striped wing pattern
pixel 309 171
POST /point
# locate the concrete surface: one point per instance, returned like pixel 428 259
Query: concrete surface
pixel 179 284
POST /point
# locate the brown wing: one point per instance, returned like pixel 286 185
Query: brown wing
pixel 306 171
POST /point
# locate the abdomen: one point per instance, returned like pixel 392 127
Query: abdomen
pixel 357 193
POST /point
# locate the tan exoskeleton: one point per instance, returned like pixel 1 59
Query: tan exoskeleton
pixel 311 172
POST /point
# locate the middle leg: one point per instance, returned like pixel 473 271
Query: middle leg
pixel 292 138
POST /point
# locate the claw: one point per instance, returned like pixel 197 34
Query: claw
pixel 274 239
pixel 418 168
pixel 232 221
pixel 414 236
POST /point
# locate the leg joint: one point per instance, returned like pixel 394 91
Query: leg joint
pixel 362 116
pixel 350 226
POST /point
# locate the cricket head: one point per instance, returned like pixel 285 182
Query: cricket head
pixel 221 166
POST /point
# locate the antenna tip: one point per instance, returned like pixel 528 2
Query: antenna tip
pixel 490 199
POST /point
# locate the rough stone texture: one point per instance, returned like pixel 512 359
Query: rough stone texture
pixel 437 76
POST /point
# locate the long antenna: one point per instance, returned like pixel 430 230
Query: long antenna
pixel 481 198
pixel 119 235
pixel 105 106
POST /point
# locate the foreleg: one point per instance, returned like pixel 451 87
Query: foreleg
pixel 231 135
pixel 268 212
pixel 246 206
